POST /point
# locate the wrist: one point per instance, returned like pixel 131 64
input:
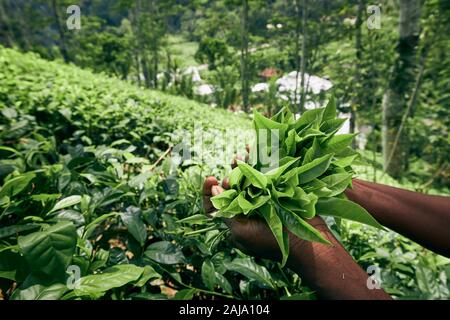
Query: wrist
pixel 302 252
pixel 329 269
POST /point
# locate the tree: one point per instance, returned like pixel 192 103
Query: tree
pixel 224 32
pixel 212 51
pixel 5 29
pixel 357 100
pixel 245 56
pixel 303 61
pixel 60 28
pixel 149 25
pixel 394 105
pixel 102 48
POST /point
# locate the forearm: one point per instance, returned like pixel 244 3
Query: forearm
pixel 423 218
pixel 330 270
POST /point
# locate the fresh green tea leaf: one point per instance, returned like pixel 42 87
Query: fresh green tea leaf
pixel 50 251
pixel 117 276
pixel 299 227
pixel 337 183
pixel 276 226
pixel 147 274
pixel 235 177
pixel 252 271
pixel 256 178
pixel 314 169
pixel 185 294
pixel 65 203
pixel 164 252
pixel 330 110
pixel 209 274
pixel 309 117
pixel 40 292
pixel 346 209
pixel 338 142
pixel 16 185
pixel 224 199
pixel 132 219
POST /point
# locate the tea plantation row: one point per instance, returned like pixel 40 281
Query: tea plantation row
pixel 88 211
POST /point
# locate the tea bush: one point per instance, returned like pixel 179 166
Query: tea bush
pixel 90 210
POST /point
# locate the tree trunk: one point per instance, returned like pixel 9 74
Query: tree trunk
pixel 141 44
pixel 154 44
pixel 5 22
pixel 155 68
pixel 303 63
pixel 134 19
pixel 62 37
pixel 357 100
pixel 146 71
pixel 23 30
pixel 297 50
pixel 395 99
pixel 244 57
pixel 138 67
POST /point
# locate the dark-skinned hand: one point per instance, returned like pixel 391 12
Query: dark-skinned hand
pixel 250 235
pixel 327 269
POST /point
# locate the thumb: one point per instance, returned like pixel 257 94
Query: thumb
pixel 216 190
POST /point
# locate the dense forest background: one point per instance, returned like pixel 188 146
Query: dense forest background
pixel 388 64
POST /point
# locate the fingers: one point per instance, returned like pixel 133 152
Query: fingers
pixel 253 236
pixel 208 184
pixel 216 190
pixel 211 185
pixel 234 162
pixel 247 157
pixel 226 183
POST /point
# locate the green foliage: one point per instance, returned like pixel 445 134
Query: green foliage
pixel 307 180
pixel 102 48
pixel 211 51
pixel 49 251
pixel 224 81
pixel 77 150
pixel 407 271
pixel 79 192
pixel 91 110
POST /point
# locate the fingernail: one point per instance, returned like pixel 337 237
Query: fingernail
pixel 215 190
pixel 226 183
pixel 234 164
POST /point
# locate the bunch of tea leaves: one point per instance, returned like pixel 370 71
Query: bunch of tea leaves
pixel 313 172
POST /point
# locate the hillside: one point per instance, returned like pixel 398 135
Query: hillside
pixel 68 99
pixel 77 169
pixel 83 188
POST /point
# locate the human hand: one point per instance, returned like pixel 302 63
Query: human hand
pixel 251 235
pixel 327 269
